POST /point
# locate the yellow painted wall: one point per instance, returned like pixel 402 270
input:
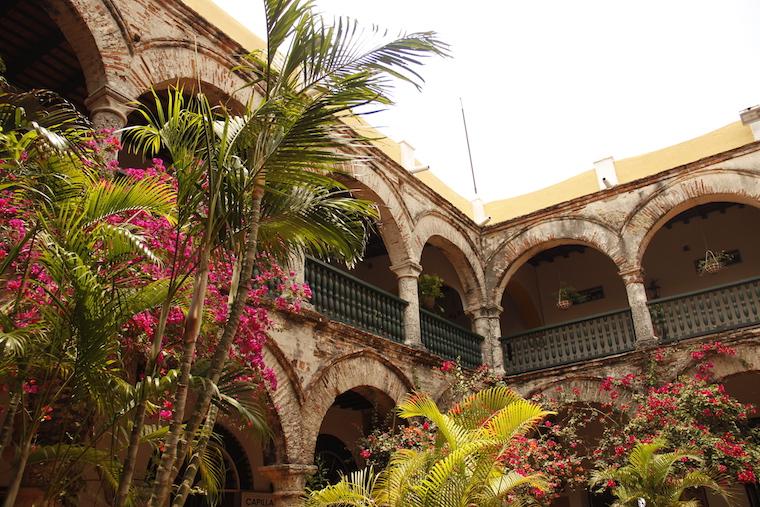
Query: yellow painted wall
pixel 226 23
pixel 580 184
pixel 723 139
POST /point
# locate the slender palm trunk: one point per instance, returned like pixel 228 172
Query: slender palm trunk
pixel 19 466
pixel 10 416
pixel 230 328
pixel 128 469
pixel 193 322
pixel 192 466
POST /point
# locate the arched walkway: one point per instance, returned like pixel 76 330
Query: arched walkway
pixel 286 400
pixel 433 229
pixel 359 369
pixel 701 187
pixel 515 250
pixel 100 38
pixel 167 62
pixel 394 225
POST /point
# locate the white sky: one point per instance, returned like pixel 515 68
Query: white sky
pixel 550 86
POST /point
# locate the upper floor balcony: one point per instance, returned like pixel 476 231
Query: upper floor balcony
pixel 568 303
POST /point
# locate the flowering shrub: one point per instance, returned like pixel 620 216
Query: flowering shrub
pixel 52 273
pixel 689 413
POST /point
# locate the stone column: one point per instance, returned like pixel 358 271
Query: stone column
pixel 289 482
pixel 297 265
pixel 637 300
pixel 485 320
pixel 108 109
pixel 408 272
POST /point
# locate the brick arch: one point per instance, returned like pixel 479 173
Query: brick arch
pixel 169 61
pixel 286 399
pixel 588 387
pixel 697 188
pixel 360 368
pixel 99 36
pixel 518 248
pixel 459 250
pixel 394 226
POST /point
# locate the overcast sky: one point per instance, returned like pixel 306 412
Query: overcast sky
pixel 550 86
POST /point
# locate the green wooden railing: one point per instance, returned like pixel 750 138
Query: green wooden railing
pixel 347 299
pixel 570 342
pixel 449 340
pixel 721 308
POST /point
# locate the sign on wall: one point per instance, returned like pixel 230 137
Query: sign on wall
pixel 255 499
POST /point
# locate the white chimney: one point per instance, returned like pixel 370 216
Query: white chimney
pixel 751 118
pixel 479 212
pixel 407 155
pixel 606 176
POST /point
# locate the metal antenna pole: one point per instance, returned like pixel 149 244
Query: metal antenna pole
pixel 469 151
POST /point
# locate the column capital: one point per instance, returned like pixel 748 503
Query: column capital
pixel 107 100
pixel 489 310
pixel 289 482
pixel 632 275
pixel 407 269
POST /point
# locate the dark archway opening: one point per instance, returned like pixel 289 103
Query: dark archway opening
pixel 353 415
pixel 36 53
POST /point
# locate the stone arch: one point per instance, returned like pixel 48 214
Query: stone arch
pixel 167 62
pixel 394 228
pixel 588 390
pixel 361 368
pixel 286 399
pixel 99 36
pixel 518 248
pixel 459 250
pixel 711 185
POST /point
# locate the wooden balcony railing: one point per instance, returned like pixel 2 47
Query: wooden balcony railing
pixel 347 299
pixel 449 340
pixel 570 342
pixel 725 307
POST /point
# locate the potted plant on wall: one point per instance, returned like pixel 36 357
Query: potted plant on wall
pixel 566 296
pixel 713 262
pixel 430 288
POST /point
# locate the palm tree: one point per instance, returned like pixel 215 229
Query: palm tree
pixel 463 468
pixel 311 78
pixel 73 346
pixel 656 477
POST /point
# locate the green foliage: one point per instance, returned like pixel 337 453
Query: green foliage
pixel 659 478
pixel 463 467
pixel 430 285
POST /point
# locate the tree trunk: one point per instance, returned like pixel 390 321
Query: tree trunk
pixel 163 480
pixel 192 467
pixel 10 415
pixel 233 320
pixel 130 460
pixel 18 469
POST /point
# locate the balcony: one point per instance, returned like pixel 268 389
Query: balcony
pixel 344 298
pixel 725 307
pixel 347 299
pixel 448 340
pixel 570 342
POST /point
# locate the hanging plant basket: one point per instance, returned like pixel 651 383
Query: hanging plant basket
pixel 566 297
pixel 713 262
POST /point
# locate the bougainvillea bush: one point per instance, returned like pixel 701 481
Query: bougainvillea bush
pixel 90 256
pixel 692 412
